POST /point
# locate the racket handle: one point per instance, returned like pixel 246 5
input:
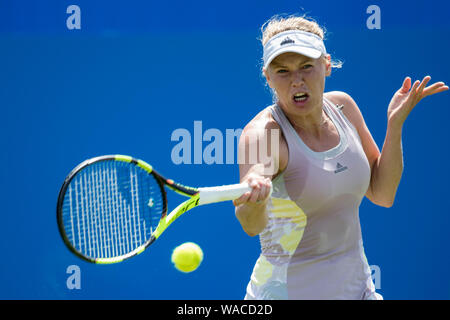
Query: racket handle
pixel 222 193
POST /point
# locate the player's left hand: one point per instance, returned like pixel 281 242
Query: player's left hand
pixel 406 98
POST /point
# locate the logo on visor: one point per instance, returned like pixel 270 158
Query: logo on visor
pixel 286 40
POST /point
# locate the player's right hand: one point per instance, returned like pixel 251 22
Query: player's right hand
pixel 260 193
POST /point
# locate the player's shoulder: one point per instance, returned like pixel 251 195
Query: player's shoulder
pixel 349 106
pixel 340 98
pixel 261 123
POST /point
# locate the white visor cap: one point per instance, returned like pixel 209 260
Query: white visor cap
pixel 301 42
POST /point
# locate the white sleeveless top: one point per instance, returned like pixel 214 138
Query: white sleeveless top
pixel 311 247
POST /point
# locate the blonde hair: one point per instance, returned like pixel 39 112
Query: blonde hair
pixel 278 24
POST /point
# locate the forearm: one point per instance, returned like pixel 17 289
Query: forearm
pixel 253 217
pixel 387 170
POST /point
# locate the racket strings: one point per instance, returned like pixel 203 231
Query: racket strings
pixel 110 209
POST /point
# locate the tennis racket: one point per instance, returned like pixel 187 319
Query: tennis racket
pixel 111 208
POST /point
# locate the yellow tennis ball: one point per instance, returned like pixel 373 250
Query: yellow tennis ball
pixel 187 257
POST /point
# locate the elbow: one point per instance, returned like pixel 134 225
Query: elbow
pixel 385 203
pixel 251 229
pixel 382 199
pixel 252 224
pixel 250 233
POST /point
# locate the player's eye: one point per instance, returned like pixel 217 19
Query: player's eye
pixel 280 71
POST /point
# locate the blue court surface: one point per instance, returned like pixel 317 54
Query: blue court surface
pixel 128 74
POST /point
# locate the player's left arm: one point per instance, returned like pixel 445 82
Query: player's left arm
pixel 387 165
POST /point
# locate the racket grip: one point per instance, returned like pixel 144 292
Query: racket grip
pixel 222 193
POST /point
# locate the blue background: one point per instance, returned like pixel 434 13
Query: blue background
pixel 138 70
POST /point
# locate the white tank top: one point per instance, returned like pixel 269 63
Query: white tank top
pixel 311 247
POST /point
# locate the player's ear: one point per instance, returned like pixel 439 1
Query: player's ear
pixel 267 76
pixel 327 58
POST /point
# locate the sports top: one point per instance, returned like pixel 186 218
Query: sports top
pixel 312 247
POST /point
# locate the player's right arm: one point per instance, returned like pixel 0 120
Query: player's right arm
pixel 262 156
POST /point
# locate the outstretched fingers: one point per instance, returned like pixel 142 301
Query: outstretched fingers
pixel 423 85
pixel 412 96
pixel 435 88
pixel 420 89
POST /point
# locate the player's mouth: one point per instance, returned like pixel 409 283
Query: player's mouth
pixel 300 98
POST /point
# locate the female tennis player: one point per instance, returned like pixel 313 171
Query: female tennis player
pixel 326 161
